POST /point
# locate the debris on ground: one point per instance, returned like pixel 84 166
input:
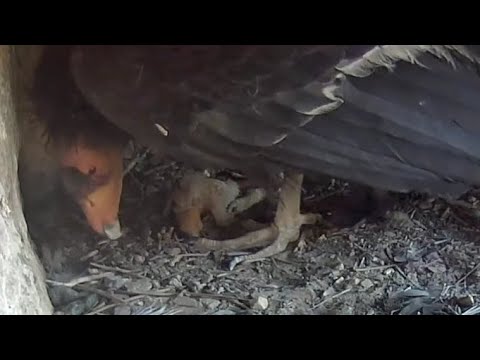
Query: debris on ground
pixel 421 258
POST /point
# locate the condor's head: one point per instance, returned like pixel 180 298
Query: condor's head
pixel 94 178
pixel 88 148
pixel 89 152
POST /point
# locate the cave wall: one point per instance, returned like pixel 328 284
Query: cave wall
pixel 22 278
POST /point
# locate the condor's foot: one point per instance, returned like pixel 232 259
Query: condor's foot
pixel 276 237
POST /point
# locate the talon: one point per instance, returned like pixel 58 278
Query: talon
pixel 274 238
pixel 188 238
pixel 232 208
pixel 235 261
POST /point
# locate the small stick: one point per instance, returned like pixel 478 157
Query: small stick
pixel 405 276
pixel 195 254
pixel 110 268
pixel 332 298
pixel 374 268
pixel 106 307
pixel 181 256
pixel 157 293
pixel 80 280
pixel 89 255
pixel 103 293
pixel 192 255
pixel 158 168
pixel 216 296
pixel 103 308
pixel 232 299
pixel 134 162
pixel 475 310
pixel 468 274
pixel 238 253
pixel 461 203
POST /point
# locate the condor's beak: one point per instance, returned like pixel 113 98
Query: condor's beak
pixel 113 231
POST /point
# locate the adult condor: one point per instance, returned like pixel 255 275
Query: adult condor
pixel 394 117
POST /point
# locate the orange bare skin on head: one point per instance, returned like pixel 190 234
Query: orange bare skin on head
pixel 100 192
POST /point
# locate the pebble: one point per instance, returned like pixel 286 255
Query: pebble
pixel 115 282
pixel 401 219
pixel 174 252
pixel 75 308
pixel 367 284
pixel 139 259
pixel 329 292
pixel 186 302
pixel 122 310
pixel 426 204
pixel 465 301
pixel 260 303
pixel 224 312
pixel 60 295
pixel 477 274
pixel 211 303
pixel 142 285
pixel 336 274
pixel 91 301
pixel 176 283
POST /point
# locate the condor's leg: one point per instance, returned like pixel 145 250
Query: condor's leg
pixel 284 230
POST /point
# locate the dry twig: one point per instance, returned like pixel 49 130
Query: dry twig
pixel 468 274
pixel 330 298
pixel 80 280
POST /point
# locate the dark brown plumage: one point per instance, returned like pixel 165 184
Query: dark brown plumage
pixel 250 105
pixel 397 118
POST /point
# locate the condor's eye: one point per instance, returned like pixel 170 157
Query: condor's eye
pixel 92 171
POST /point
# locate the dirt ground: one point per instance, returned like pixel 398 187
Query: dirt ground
pixel 422 258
